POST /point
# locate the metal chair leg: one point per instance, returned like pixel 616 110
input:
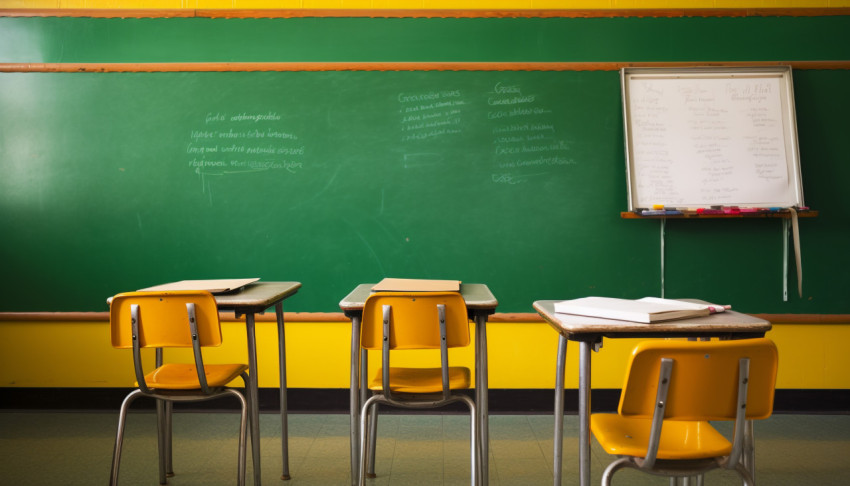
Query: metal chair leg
pixel 749 455
pixel 364 416
pixel 119 436
pixel 745 475
pixel 370 408
pixel 615 466
pixel 474 449
pixel 372 439
pixel 243 437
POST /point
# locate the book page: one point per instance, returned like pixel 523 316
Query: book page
pixel 629 310
pixel 688 305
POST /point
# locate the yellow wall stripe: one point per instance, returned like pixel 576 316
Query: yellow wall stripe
pixel 522 355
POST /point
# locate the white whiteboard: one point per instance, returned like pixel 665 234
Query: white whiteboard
pixel 700 137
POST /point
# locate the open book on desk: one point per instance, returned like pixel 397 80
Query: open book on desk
pixel 647 310
pixel 216 286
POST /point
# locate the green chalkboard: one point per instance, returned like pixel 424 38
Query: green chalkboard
pixel 118 181
pixel 127 180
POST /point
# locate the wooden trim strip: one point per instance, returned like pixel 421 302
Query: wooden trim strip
pixel 54 316
pixel 340 317
pixel 427 13
pixel 224 316
pixel 805 318
pixel 124 67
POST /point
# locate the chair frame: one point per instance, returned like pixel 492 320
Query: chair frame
pixel 166 398
pixel 369 410
pixel 739 459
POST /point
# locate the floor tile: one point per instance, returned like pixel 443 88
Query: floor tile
pixel 413 449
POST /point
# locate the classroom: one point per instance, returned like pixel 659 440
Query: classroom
pixel 335 143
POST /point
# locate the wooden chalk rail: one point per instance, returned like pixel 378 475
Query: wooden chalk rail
pixel 134 67
pixel 695 215
pixel 70 317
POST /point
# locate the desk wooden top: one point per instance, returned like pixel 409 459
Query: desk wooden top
pixel 723 323
pixel 257 296
pixel 477 296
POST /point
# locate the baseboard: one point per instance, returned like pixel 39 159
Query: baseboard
pixel 335 400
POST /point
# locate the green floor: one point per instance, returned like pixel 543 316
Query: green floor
pixel 76 448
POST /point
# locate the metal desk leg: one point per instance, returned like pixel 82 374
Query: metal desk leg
pixel 481 397
pixel 284 424
pixel 166 423
pixel 254 413
pixel 161 439
pixel 354 399
pixel 169 427
pixel 559 408
pixel 584 412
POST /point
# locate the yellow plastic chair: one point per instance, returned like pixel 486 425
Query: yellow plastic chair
pixel 184 319
pixel 672 390
pixel 414 320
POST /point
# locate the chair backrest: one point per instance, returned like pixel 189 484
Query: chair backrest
pixel 164 319
pixel 704 381
pixel 414 320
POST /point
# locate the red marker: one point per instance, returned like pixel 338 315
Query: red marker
pixel 709 211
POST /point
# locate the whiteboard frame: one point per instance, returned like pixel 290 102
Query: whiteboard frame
pixel 788 113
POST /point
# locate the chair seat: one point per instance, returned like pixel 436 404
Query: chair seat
pixel 176 376
pixel 626 436
pixel 422 380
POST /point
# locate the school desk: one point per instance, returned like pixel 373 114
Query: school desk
pixel 253 299
pixel 589 332
pixel 480 303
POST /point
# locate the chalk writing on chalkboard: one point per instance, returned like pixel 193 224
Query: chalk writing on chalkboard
pixel 432 114
pixel 242 142
pixel 524 135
